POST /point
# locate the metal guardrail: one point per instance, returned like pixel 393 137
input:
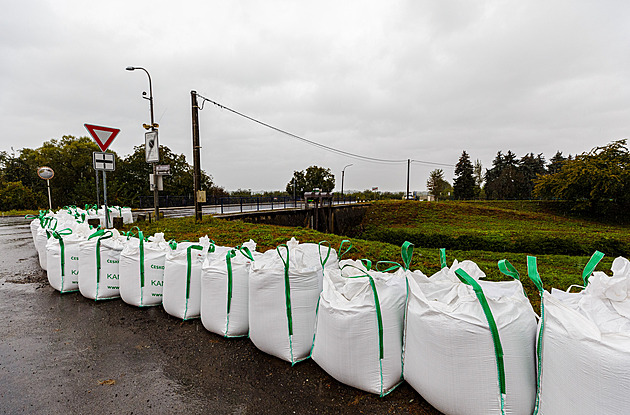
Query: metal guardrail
pixel 231 204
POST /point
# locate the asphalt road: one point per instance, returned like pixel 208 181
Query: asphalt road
pixel 65 354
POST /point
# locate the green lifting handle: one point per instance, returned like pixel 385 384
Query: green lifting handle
pixel 498 348
pixel 508 269
pixel 590 266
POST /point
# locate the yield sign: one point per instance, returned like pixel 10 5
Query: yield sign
pixel 102 135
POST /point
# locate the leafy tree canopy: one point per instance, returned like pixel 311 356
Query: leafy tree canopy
pixel 602 174
pixel 74 182
pixel 313 177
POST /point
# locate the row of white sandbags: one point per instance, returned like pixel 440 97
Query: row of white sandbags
pixel 47 222
pixel 469 344
pixel 368 357
pixel 105 215
pixel 376 328
pixel 278 291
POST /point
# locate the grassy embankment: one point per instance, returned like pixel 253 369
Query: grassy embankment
pixel 497 227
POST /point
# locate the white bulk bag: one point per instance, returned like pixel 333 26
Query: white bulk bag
pixel 141 270
pixel 584 345
pixel 284 287
pixel 91 212
pixel 359 334
pixel 106 216
pixel 126 215
pixel 98 265
pixel 225 291
pixel 454 357
pixel 49 224
pixel 35 224
pixel 62 258
pixel 65 217
pixel 182 274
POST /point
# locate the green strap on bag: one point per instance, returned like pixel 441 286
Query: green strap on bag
pixel 406 252
pixel 498 349
pixel 59 236
pixel 189 272
pixel 379 320
pixel 247 253
pixel 287 289
pixel 228 261
pixel 189 268
pixel 393 266
pixel 443 258
pixel 365 262
pixel 590 266
pixel 141 249
pixel 103 235
pixel 508 269
pixel 532 273
pixel 100 234
pixel 319 249
pixel 339 253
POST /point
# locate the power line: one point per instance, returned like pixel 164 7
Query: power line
pixel 319 145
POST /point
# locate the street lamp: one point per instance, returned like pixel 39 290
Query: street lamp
pixel 343 172
pixel 153 126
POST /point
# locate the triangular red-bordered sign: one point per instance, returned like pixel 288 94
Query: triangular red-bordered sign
pixel 102 135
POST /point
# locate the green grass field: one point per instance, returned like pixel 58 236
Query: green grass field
pixel 559 271
pixel 499 227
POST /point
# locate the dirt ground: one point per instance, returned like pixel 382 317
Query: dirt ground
pixel 67 354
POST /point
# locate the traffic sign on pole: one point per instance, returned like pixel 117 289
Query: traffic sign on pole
pixel 102 135
pixel 103 161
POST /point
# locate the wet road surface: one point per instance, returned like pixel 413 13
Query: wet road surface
pixel 65 354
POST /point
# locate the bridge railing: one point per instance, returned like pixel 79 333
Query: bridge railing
pixel 229 204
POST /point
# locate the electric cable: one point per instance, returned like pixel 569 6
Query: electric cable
pixel 319 145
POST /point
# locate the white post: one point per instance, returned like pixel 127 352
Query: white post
pixel 49 198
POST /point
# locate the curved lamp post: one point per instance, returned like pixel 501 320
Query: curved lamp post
pixel 156 202
pixel 343 172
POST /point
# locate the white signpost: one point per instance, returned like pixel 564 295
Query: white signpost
pixel 46 173
pixel 103 161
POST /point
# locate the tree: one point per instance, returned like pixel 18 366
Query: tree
pixel 479 179
pixel 132 177
pixel 531 167
pixel 555 163
pixel 313 177
pixel 436 185
pixel 464 182
pixel 70 158
pixel 14 195
pixel 603 174
pixel 75 180
pixel 505 180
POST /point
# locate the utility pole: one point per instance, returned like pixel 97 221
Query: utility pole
pixel 196 156
pixel 408 171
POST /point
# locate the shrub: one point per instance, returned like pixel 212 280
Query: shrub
pixel 14 195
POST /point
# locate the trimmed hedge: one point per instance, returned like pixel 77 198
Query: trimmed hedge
pixel 531 244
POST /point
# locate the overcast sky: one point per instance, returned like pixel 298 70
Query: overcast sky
pixel 386 79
